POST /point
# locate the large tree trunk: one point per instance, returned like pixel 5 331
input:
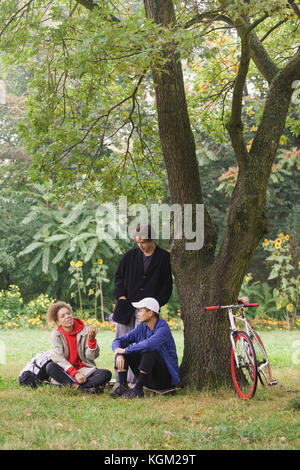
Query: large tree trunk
pixel 205 335
pixel 204 277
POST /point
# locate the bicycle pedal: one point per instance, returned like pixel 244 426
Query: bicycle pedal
pixel 273 383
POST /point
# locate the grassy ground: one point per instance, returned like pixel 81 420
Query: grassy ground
pixel 52 418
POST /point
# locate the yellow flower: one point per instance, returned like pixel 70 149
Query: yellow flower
pixel 282 140
pixel 248 279
pixel 277 246
pixel 250 111
pixel 281 235
pixel 99 261
pixel 78 264
pixel 249 145
pixel 287 237
pixel 278 241
pixel 72 263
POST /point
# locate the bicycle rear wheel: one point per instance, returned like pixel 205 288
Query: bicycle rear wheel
pixel 243 365
pixel 262 361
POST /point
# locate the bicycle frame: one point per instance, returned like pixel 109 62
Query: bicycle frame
pixel 233 328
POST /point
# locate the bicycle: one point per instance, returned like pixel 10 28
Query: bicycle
pixel 248 359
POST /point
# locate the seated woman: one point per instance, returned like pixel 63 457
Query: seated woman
pixel 73 351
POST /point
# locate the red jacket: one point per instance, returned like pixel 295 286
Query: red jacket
pixel 71 339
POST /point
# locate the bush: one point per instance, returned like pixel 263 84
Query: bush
pixel 13 313
pixel 279 296
pixel 11 304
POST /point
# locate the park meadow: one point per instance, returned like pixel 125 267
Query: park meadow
pixel 63 419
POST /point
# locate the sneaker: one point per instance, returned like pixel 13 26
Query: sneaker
pixel 91 390
pixel 119 392
pixel 134 393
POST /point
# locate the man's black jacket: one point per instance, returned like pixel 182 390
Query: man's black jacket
pixel 135 285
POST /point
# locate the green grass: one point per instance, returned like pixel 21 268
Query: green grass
pixel 52 418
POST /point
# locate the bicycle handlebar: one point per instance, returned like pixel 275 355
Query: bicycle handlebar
pixel 219 307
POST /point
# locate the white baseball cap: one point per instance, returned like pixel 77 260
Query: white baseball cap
pixel 147 302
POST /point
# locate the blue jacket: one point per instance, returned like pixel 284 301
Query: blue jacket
pixel 160 339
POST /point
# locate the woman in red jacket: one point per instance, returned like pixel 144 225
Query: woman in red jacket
pixel 73 351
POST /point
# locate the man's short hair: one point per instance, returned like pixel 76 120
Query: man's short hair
pixel 51 315
pixel 145 231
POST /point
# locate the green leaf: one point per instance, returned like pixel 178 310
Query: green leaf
pixel 45 260
pixel 35 260
pixel 90 250
pixel 73 215
pixel 31 247
pixel 60 255
pixel 53 271
pixel 273 274
pixel 83 236
pixel 56 238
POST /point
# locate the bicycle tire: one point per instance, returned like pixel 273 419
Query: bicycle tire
pixel 263 371
pixel 245 376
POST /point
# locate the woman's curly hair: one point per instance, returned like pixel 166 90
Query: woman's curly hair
pixel 51 315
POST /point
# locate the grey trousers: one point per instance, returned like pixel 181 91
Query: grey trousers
pixel 123 330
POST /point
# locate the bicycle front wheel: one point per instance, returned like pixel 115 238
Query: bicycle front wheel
pixel 243 365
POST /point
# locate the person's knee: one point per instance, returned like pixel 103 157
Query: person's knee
pixel 50 368
pixel 107 375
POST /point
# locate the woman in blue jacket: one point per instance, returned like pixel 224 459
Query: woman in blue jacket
pixel 149 350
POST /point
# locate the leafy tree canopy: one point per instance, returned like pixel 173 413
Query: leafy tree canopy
pixel 89 99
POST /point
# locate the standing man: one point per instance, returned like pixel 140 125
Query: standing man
pixel 144 271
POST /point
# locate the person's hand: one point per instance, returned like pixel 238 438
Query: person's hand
pixel 120 362
pixel 80 378
pixel 122 297
pixel 119 351
pixel 243 300
pixel 92 332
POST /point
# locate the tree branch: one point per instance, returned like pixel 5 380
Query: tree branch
pixel 234 124
pixel 106 116
pixel 214 15
pixel 258 21
pixel 294 7
pixel 261 58
pixel 89 4
pixel 15 15
pixel 273 29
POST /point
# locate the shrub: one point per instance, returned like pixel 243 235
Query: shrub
pixel 11 304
